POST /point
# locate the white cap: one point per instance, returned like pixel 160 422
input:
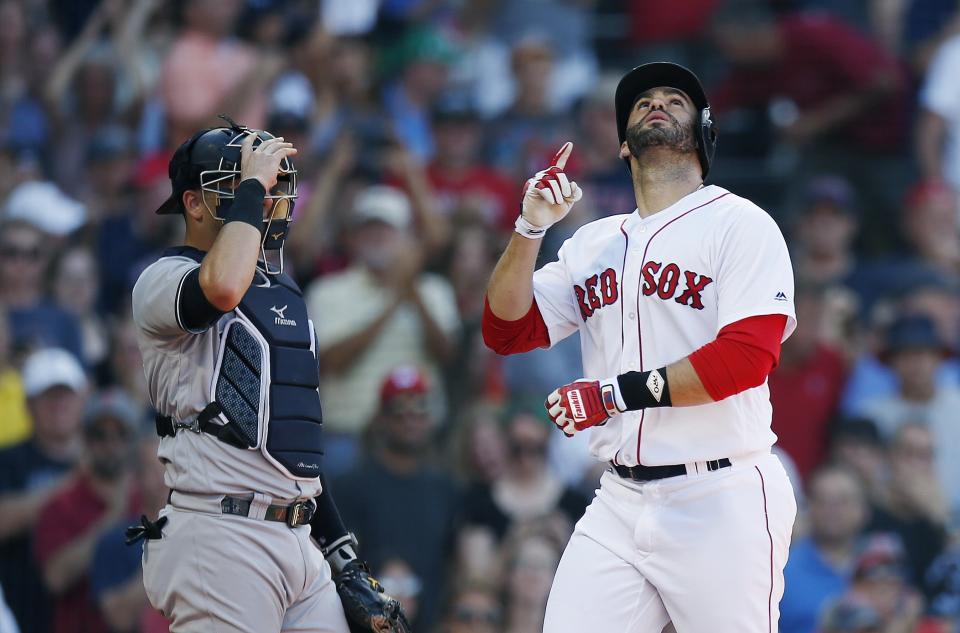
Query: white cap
pixel 52 367
pixel 384 204
pixel 43 205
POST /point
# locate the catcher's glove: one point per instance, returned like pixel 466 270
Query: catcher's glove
pixel 367 607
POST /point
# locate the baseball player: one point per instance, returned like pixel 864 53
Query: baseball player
pixel 681 307
pixel 230 358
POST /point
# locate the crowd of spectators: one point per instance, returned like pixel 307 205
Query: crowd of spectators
pixel 417 122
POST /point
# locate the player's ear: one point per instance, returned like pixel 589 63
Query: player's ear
pixel 624 150
pixel 193 204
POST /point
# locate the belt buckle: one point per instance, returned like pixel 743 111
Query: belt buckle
pixel 296 512
pixel 193 425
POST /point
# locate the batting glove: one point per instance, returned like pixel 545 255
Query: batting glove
pixel 547 197
pixel 583 404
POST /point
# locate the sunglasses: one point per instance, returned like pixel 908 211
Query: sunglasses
pixel 518 449
pixel 12 252
pixel 476 616
pixel 96 434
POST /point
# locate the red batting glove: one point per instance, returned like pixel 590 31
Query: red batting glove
pixel 583 404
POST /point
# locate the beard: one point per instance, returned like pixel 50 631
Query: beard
pixel 674 136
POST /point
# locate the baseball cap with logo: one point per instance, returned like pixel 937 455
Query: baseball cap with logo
pixel 405 379
pixel 52 367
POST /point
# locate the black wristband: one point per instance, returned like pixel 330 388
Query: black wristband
pixel 644 389
pixel 247 205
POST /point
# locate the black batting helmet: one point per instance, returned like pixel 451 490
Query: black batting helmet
pixel 656 74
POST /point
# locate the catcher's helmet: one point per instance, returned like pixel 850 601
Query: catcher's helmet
pixel 653 75
pixel 210 161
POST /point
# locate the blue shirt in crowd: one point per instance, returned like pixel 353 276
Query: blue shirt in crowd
pixel 811 582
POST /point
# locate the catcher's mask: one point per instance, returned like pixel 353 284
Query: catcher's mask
pixel 210 161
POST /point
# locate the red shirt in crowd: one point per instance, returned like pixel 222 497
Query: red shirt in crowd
pixel 481 189
pixel 805 398
pixel 65 519
pixel 822 59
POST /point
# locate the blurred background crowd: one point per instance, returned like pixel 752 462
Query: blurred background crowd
pixel 417 122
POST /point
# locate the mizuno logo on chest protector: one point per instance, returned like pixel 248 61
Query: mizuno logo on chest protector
pixel 281 319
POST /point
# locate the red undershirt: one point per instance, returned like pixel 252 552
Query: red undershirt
pixel 741 357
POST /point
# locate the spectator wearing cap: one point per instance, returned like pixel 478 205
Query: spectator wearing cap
pixel 821 564
pixel 32 471
pixel 849 615
pixel 823 231
pixel 526 491
pixel 399 505
pixel 101 494
pixel 880 581
pixel 109 163
pixel 914 506
pixel 856 444
pixel 465 186
pixel 381 312
pixel 914 290
pixel 915 352
pixel 421 61
pixel 25 253
pixel 806 388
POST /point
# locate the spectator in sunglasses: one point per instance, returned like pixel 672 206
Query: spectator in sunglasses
pixel 34 321
pixel 474 609
pixel 527 491
pixel 396 501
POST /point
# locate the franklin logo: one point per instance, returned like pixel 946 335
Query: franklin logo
pixel 576 405
pixel 276 236
pixel 281 319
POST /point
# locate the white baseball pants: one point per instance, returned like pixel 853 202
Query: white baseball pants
pixel 704 551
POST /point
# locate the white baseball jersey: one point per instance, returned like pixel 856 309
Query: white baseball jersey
pixel 646 292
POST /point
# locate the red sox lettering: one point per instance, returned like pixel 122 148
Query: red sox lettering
pixel 602 290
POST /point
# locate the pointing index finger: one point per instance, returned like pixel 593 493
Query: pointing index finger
pixel 560 159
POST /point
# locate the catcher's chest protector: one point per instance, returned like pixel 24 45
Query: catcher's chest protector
pixel 266 377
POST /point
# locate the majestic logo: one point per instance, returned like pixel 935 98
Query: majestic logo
pixel 281 319
pixel 781 296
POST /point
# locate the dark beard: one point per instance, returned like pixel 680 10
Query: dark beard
pixel 673 136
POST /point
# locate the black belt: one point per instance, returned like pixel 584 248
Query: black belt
pixel 650 473
pixel 297 513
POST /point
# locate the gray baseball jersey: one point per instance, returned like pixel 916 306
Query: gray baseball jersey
pixel 179 367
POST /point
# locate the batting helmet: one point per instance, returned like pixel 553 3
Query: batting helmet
pixel 210 161
pixel 656 74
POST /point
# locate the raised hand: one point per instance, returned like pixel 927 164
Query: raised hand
pixel 548 196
